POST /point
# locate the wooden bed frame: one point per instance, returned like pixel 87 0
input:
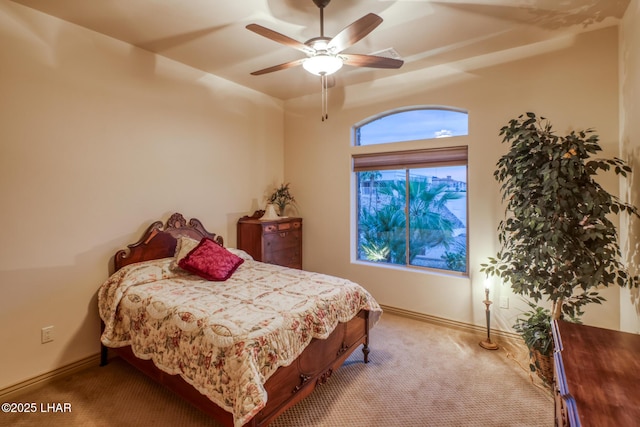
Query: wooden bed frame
pixel 288 385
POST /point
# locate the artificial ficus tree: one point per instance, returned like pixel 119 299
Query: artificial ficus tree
pixel 557 240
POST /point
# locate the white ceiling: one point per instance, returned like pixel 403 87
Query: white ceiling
pixel 210 35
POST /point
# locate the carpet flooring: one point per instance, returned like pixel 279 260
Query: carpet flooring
pixel 419 374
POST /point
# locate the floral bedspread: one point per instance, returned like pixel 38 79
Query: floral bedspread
pixel 225 338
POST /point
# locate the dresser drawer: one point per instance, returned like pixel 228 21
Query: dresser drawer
pixel 281 227
pixel 286 258
pixel 282 240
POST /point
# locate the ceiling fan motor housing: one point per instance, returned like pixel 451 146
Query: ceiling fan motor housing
pixel 319 44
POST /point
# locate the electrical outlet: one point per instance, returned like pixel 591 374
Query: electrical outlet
pixel 504 302
pixel 47 334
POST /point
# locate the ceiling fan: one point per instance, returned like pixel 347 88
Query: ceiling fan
pixel 324 54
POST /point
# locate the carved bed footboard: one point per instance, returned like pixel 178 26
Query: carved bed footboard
pixel 287 386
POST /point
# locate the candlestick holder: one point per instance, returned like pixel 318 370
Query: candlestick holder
pixel 487 344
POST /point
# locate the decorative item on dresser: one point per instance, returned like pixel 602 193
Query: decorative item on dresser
pixel 597 372
pixel 281 197
pixel 277 241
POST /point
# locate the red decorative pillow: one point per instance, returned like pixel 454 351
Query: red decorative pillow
pixel 210 261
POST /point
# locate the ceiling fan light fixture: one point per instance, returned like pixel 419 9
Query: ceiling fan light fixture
pixel 322 64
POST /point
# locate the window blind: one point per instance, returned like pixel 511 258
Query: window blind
pixel 447 156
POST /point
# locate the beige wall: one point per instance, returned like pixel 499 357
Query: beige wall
pixel 97 139
pixel 630 149
pixel 573 81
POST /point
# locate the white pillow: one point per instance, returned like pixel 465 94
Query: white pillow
pixel 240 253
pixel 184 245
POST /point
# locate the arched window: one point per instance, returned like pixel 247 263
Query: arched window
pixel 412 205
pixel 412 124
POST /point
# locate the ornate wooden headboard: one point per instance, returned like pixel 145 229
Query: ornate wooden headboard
pixel 160 242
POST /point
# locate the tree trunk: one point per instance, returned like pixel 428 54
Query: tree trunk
pixel 556 309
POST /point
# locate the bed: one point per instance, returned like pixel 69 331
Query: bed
pixel 241 340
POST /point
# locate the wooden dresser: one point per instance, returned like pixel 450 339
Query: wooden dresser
pixel 275 241
pixel 597 376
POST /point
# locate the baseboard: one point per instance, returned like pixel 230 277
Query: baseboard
pixel 47 377
pixel 94 360
pixel 441 321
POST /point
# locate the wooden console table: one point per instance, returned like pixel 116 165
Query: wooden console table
pixel 597 376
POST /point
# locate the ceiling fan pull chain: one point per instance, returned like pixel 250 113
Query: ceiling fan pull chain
pixel 323 95
pixel 326 97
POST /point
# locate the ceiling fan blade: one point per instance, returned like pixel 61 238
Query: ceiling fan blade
pixel 284 66
pixel 280 38
pixel 372 61
pixel 354 32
